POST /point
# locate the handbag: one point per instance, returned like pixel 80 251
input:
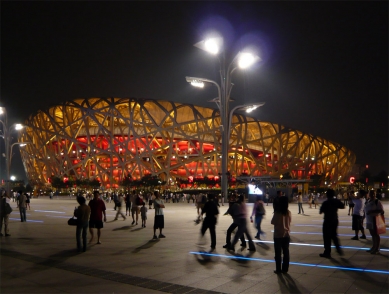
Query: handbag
pixel 72 221
pixel 8 208
pixel 380 224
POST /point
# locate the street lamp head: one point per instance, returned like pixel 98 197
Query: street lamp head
pixel 254 106
pixel 18 127
pixel 246 59
pixel 195 82
pixel 198 84
pixel 212 45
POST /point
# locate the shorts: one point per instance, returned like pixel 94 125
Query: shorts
pixel 200 205
pixel 135 209
pixel 357 223
pixel 98 224
pixel 159 222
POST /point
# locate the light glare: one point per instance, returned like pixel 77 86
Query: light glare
pixel 246 60
pixel 198 84
pixel 211 46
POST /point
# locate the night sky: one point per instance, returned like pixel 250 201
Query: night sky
pixel 324 67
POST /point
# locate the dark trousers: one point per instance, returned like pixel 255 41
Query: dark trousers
pixel 258 221
pixel 242 229
pixel 330 233
pixel 301 209
pixel 281 246
pixel 211 226
pixel 22 211
pixel 229 232
pixel 82 228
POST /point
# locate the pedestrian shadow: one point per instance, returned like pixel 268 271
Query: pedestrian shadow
pixel 243 259
pixel 59 257
pixel 137 229
pixel 206 258
pixel 287 283
pixel 304 214
pixel 262 248
pixel 358 275
pixel 147 245
pixel 122 228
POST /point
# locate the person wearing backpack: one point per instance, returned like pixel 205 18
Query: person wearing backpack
pixel 258 211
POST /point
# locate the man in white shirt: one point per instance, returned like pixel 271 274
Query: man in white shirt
pixel 358 215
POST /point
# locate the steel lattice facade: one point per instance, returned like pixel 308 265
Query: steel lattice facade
pixel 111 138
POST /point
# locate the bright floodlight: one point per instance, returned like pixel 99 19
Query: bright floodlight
pixel 251 108
pixel 198 84
pixel 1 110
pixel 195 82
pixel 245 60
pixel 13 178
pixel 212 45
pixel 18 127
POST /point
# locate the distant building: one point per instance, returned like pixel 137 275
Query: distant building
pixel 112 138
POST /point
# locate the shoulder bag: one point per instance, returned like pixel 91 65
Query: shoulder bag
pixel 72 221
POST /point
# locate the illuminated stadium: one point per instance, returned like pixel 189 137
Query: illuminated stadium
pixel 109 139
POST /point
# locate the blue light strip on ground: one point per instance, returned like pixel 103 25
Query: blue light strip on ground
pixel 50 211
pixel 319 245
pixel 29 220
pixel 294 263
pixel 346 235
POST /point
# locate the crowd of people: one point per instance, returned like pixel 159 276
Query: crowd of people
pixel 363 206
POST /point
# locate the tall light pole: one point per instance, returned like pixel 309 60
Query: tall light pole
pixel 242 60
pixel 6 135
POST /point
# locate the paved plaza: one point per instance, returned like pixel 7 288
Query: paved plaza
pixel 40 256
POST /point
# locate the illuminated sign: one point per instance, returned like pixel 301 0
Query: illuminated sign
pixel 352 180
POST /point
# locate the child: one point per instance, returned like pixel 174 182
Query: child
pixel 281 221
pixel 143 214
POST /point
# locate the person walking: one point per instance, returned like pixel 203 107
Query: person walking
pixel 310 199
pixel 150 200
pixel 159 221
pixel 5 211
pixel 351 202
pixel 258 211
pixel 119 205
pixel 373 208
pixel 358 215
pixel 281 220
pixel 135 202
pixel 300 203
pixel 128 204
pixel 143 214
pixel 315 199
pixel 240 218
pixel 267 198
pixel 97 207
pixel 330 225
pixel 231 228
pixel 28 201
pixel 211 212
pixel 22 206
pixel 82 213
